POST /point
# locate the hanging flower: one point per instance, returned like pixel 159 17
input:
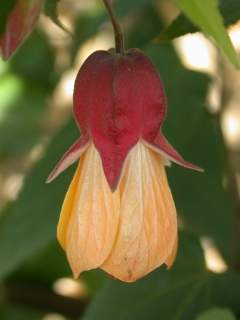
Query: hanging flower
pixel 21 21
pixel 118 213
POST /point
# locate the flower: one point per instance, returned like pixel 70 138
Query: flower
pixel 21 20
pixel 119 214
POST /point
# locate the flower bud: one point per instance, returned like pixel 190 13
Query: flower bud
pixel 20 23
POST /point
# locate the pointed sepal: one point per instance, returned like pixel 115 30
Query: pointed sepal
pixel 164 148
pixel 71 156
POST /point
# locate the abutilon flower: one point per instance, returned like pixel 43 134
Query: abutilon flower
pixel 119 214
pixel 21 21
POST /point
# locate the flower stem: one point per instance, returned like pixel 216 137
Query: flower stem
pixel 119 41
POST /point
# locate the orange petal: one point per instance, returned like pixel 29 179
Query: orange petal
pixel 148 224
pixel 90 216
pixel 67 208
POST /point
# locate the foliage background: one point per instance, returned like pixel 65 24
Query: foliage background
pixel 36 127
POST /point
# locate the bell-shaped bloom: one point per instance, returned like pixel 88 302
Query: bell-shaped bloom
pixel 21 21
pixel 119 214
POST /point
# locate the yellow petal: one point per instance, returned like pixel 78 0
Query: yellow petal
pixel 90 216
pixel 148 224
pixel 67 208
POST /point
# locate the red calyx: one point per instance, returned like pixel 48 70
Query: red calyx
pixel 119 100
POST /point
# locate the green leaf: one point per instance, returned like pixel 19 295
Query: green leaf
pixel 155 295
pixel 35 61
pixel 230 11
pixel 23 93
pixel 208 18
pixel 44 267
pixel 181 293
pixel 217 313
pixel 126 7
pixel 149 22
pixel 21 116
pixel 204 203
pixel 48 265
pixel 6 8
pixel 29 224
pixel 86 26
pixel 10 312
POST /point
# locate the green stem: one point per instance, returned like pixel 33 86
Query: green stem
pixel 119 41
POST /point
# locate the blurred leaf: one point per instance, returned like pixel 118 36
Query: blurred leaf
pixel 230 10
pixel 44 267
pixel 29 224
pixel 217 314
pixel 201 199
pixel 51 10
pixel 10 312
pixel 208 18
pixel 225 289
pixel 204 203
pixel 156 294
pixel 180 293
pixel 126 7
pixel 94 280
pixel 35 61
pixel 24 88
pixel 11 88
pixel 148 21
pixel 48 265
pixel 21 118
pixel 6 8
pixel 4 66
pixel 86 26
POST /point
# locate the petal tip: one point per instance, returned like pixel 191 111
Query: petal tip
pixel 191 166
pixel 76 275
pixel 74 266
pixel 49 179
pixel 52 176
pixel 172 257
pixel 75 270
